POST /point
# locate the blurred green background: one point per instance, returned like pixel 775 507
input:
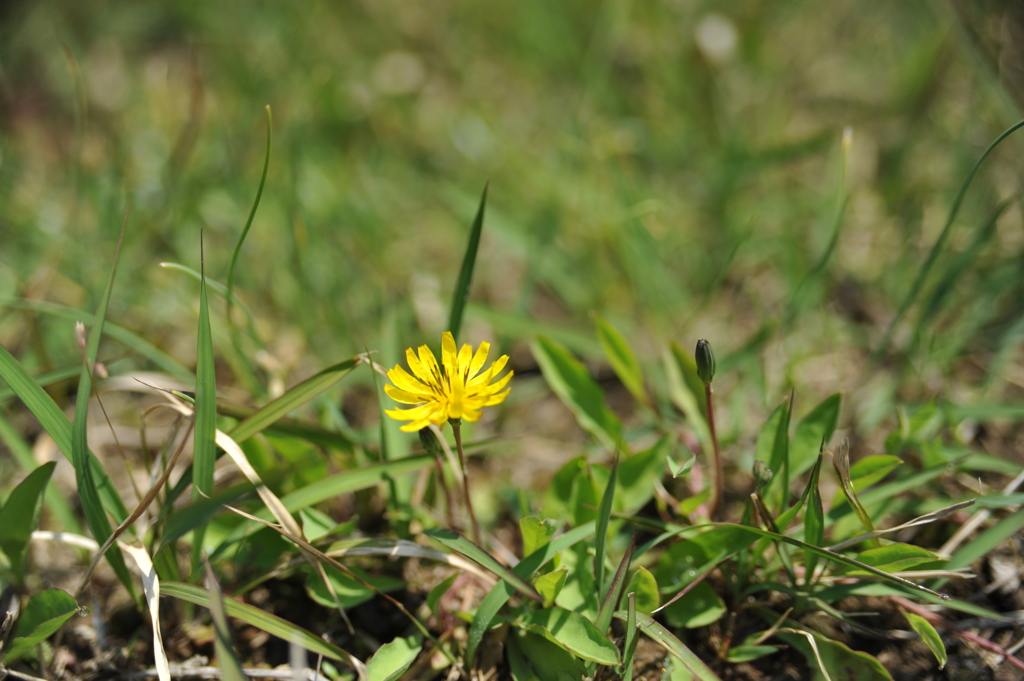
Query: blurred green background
pixel 675 165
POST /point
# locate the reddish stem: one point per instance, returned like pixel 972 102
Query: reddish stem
pixel 719 482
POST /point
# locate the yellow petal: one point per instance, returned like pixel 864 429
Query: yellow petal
pixel 404 396
pixel 401 378
pixel 449 357
pixel 479 358
pixel 462 366
pixel 430 368
pixel 497 399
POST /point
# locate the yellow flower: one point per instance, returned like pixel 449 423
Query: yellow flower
pixel 461 391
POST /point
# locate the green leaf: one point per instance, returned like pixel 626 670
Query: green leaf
pixel 438 592
pixel 259 619
pixel 569 380
pixel 536 532
pixel 673 645
pixel 815 428
pixel 614 590
pixel 773 450
pixel 871 469
pixel 550 584
pixel 749 653
pixel 227 659
pixel 645 588
pixel 548 660
pixel 699 607
pixel 44 614
pixel 575 632
pixel 350 591
pixel 638 473
pixel 928 634
pixel 204 448
pixel 896 557
pixel 502 591
pixel 393 658
pixel 81 457
pixel 629 649
pixel 291 400
pixel 814 519
pixel 456 542
pixel 466 272
pixel 622 359
pixel 842 663
pixel 604 514
pixel 20 516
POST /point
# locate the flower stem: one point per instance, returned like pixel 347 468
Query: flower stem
pixel 719 482
pixel 457 428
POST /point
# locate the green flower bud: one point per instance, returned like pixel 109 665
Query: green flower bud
pixel 429 442
pixel 705 358
pixel 762 474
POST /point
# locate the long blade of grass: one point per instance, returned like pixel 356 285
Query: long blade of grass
pixel 111 330
pixel 291 400
pixel 502 591
pixel 81 457
pixel 925 270
pixel 814 519
pixel 227 658
pixel 466 273
pixel 261 620
pixel 604 513
pixel 673 645
pixel 629 649
pixel 987 540
pixel 44 380
pixel 614 592
pixel 218 288
pixel 252 214
pixel 53 421
pixel 456 542
pixel 204 448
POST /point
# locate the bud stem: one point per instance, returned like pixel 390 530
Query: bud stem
pixel 457 429
pixel 718 491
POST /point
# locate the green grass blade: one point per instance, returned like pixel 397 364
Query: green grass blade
pixel 119 333
pixel 259 619
pixel 20 516
pixel 466 273
pixel 204 448
pixel 614 592
pixel 987 540
pixel 604 514
pixel 814 519
pixel 252 214
pixel 227 659
pixel 673 645
pixel 629 649
pixel 925 270
pixel 456 542
pixel 294 398
pixel 502 591
pixel 81 457
pixel 43 380
pixel 53 421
